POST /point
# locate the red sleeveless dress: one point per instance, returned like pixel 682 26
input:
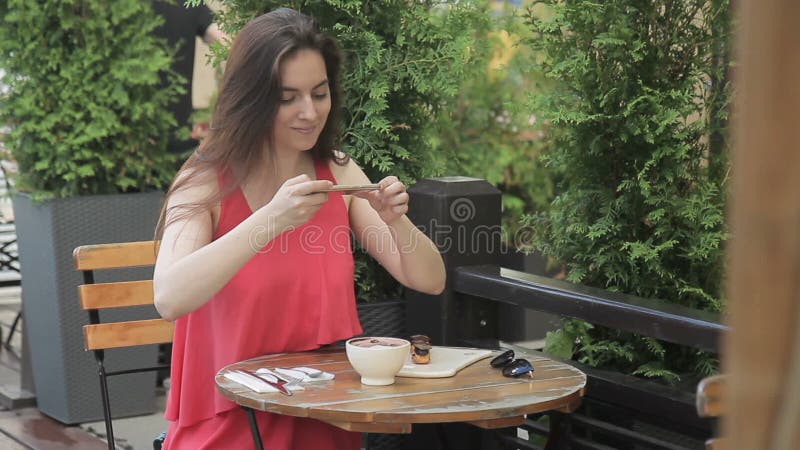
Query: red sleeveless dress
pixel 296 294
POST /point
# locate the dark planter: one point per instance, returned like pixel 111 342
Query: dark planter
pixel 383 318
pixel 65 376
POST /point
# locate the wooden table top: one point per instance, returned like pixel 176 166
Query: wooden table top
pixel 478 394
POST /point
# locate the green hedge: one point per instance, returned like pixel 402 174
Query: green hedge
pixel 491 133
pixel 638 112
pixel 86 111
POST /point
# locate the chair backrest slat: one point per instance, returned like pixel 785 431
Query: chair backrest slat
pixel 126 334
pixel 115 295
pixel 114 256
pixel 119 294
pixel 710 402
pixel 710 396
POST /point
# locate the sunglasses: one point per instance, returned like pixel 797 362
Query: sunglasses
pixel 512 367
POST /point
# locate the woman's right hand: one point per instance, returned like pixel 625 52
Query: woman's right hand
pixel 296 202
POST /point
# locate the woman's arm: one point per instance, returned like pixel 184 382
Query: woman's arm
pixel 413 260
pixel 379 223
pixel 191 268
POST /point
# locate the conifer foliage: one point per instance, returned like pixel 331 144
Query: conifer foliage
pixel 638 111
pixel 84 104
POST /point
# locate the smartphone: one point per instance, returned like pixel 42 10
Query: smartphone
pixel 350 188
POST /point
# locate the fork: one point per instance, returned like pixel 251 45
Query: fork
pixel 294 374
pixel 289 380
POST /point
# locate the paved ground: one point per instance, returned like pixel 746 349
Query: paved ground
pixel 134 433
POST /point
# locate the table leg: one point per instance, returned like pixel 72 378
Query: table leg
pixel 446 436
pixel 251 417
pixel 442 435
pixel 559 428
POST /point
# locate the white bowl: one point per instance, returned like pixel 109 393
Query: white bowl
pixel 380 360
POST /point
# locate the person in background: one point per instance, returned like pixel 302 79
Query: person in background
pixel 180 28
pixel 255 258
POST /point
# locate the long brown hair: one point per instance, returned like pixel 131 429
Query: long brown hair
pixel 248 101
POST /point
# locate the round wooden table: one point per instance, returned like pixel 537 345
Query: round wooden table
pixel 478 394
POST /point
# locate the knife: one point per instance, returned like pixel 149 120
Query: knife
pixel 280 385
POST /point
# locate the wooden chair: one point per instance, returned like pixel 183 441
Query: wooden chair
pixel 99 336
pixel 711 403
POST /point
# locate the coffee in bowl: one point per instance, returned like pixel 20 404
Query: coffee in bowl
pixel 377 359
pixel 374 342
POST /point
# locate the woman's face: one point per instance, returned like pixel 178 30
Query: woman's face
pixel 304 104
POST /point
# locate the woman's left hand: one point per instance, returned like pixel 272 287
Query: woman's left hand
pixel 390 201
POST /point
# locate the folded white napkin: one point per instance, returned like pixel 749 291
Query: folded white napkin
pixel 250 382
pixel 255 384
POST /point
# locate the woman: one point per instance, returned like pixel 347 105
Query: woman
pixel 254 259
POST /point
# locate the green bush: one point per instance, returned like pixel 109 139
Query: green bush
pixel 638 110
pixel 84 104
pixel 404 63
pixel 490 132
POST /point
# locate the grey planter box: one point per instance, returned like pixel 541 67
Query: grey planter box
pixel 65 376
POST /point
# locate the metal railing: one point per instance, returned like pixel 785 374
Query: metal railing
pixel 619 411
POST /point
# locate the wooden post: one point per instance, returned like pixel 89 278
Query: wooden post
pixel 462 217
pixel 762 352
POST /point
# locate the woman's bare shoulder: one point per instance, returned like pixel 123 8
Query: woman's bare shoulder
pixel 194 186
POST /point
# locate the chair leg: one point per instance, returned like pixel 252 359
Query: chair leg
pixel 158 442
pixel 7 343
pixel 106 405
pixel 251 417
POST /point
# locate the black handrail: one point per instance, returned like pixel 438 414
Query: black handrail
pixel 649 317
